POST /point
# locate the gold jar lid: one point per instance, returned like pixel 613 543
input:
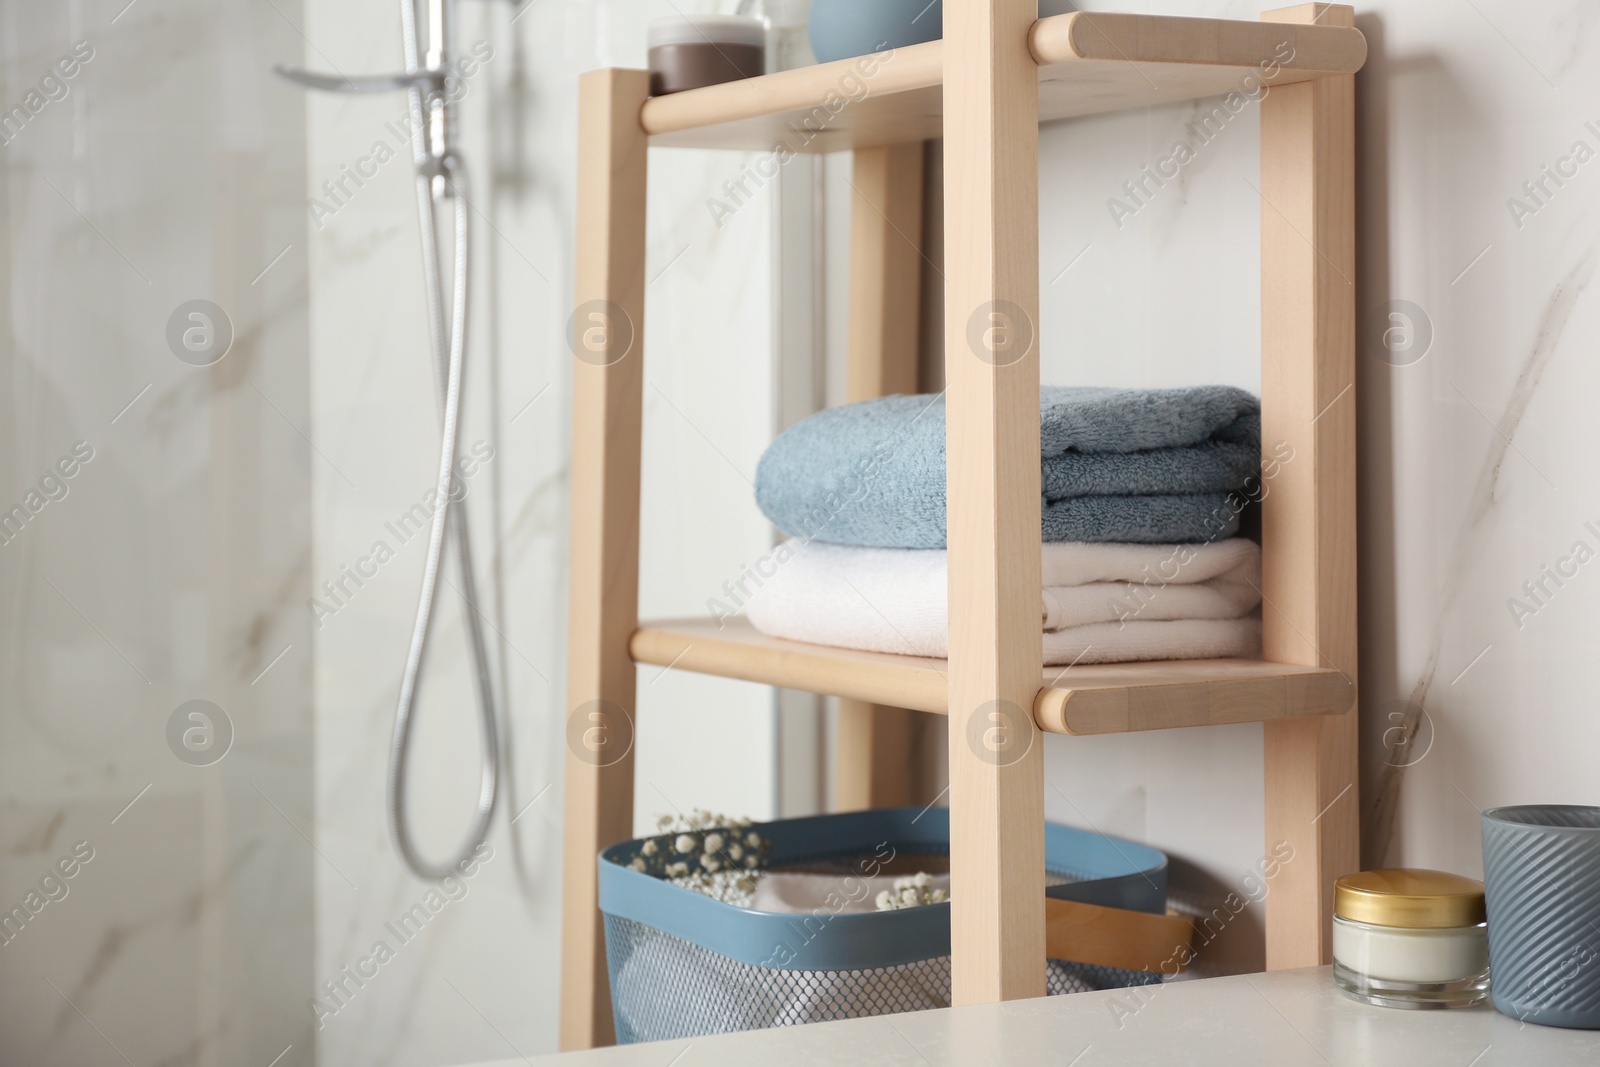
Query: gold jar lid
pixel 1409 897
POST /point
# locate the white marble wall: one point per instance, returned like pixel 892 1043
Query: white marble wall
pixel 482 981
pixel 159 167
pixel 1475 467
pixel 178 564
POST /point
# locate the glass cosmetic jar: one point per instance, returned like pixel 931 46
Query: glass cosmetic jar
pixel 1407 938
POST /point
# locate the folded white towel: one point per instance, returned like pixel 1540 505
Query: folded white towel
pixel 1103 602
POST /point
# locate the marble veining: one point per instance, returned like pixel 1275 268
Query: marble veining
pixel 1461 709
pixel 1383 808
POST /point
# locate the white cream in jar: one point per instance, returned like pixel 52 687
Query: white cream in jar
pixel 1410 938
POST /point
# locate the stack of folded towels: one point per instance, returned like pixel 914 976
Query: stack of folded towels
pixel 1142 490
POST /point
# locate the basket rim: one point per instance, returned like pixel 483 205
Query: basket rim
pixel 1114 872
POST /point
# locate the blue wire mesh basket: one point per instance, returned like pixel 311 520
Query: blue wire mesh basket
pixel 683 964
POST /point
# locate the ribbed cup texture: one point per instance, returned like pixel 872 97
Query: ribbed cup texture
pixel 1541 868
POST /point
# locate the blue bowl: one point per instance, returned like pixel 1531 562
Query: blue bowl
pixel 841 29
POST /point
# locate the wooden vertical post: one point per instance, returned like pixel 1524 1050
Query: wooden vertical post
pixel 991 211
pixel 1308 517
pixel 885 270
pixel 872 754
pixel 607 339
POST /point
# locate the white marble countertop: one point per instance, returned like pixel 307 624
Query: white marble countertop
pixel 1283 1019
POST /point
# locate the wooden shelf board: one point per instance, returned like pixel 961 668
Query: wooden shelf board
pixel 737 650
pixel 1089 63
pixel 1087 699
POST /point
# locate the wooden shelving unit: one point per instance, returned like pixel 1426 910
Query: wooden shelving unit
pixel 984 89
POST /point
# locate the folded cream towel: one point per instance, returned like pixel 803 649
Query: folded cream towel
pixel 1103 602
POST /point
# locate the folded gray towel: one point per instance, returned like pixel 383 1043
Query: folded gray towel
pixel 1152 466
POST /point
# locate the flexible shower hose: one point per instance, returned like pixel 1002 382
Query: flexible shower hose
pixel 447 330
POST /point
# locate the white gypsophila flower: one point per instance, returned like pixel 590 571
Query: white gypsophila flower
pixel 637 865
pixel 910 892
pixel 693 837
pixel 729 886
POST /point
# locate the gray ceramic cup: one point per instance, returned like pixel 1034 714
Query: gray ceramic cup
pixel 1541 879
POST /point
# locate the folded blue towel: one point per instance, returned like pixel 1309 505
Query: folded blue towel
pixel 1152 466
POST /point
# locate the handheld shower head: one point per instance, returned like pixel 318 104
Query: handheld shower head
pixel 428 40
pixel 441 175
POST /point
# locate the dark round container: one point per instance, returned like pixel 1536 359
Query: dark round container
pixel 693 51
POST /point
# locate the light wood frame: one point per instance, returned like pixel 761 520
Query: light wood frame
pixel 603 583
pixel 985 88
pixel 1308 267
